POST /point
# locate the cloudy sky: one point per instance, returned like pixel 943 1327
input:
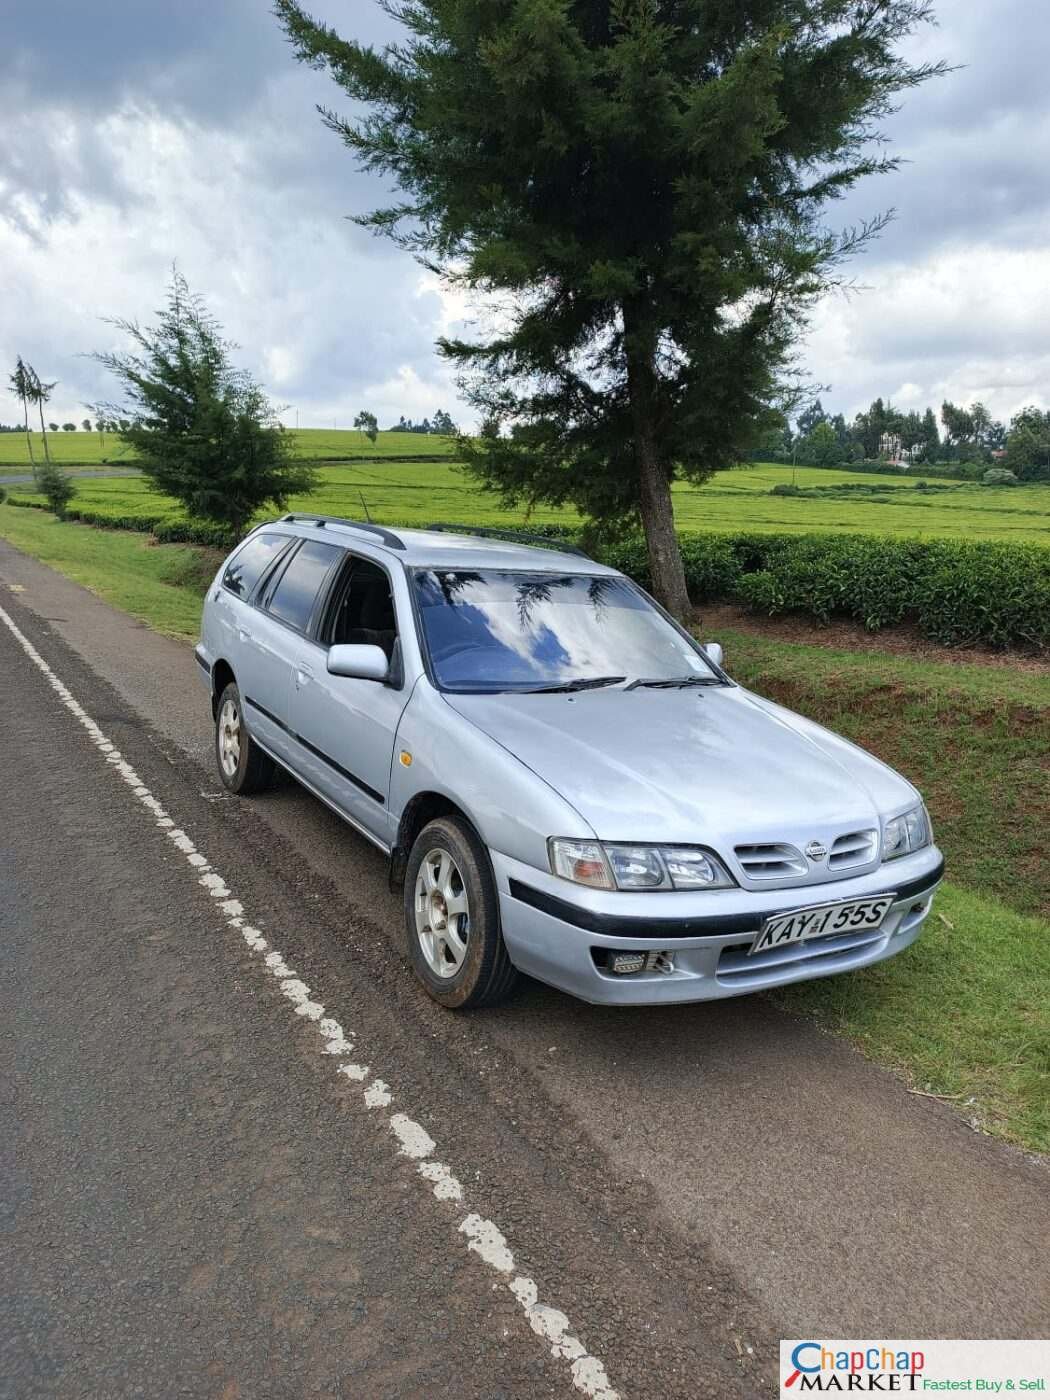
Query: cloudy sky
pixel 138 132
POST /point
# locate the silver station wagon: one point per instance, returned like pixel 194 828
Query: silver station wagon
pixel 566 783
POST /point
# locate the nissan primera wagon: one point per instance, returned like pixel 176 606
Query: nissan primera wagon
pixel 566 784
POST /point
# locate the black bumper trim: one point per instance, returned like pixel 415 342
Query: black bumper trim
pixel 706 926
pixel 204 665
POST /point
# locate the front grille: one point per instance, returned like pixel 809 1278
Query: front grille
pixel 771 861
pixel 737 968
pixel 778 860
pixel 855 848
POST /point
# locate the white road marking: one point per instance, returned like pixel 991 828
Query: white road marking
pixel 486 1240
pixel 483 1237
pixel 415 1141
pixel 377 1095
pixel 446 1187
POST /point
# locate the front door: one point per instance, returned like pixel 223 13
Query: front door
pixel 345 728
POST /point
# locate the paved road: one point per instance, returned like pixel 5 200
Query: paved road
pixel 203 1202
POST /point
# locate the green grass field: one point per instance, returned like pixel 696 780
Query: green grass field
pixel 409 493
pixel 963 1014
pixel 82 449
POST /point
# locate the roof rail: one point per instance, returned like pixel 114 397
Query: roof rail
pixel 522 536
pixel 387 536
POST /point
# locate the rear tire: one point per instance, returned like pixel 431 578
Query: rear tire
pixel 452 924
pixel 243 767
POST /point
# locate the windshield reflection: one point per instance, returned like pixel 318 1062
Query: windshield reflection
pixel 496 630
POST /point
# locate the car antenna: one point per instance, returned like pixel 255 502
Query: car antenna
pixel 365 507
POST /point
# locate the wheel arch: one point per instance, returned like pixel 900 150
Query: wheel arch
pixel 221 676
pixel 422 808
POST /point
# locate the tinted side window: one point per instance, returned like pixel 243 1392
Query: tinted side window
pixel 294 597
pixel 250 562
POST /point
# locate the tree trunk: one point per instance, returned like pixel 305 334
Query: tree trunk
pixel 654 481
pixel 43 431
pixel 29 435
pixel 665 556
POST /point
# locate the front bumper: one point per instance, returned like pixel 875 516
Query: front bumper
pixel 561 933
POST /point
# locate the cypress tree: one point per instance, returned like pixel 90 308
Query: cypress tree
pixel 202 430
pixel 639 184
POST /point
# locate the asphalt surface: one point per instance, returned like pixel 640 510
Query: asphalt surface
pixel 195 1203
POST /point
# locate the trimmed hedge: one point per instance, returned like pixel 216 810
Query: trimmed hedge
pixel 958 592
pixel 164 530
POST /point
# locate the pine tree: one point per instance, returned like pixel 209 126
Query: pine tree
pixel 57 486
pixel 202 430
pixel 368 424
pixel 639 183
pixel 931 436
pixel 810 416
pixel 21 387
pixel 40 394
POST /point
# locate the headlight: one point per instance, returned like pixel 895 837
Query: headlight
pixel 607 866
pixel 581 861
pixel 905 834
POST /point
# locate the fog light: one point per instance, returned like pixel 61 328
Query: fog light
pixel 624 964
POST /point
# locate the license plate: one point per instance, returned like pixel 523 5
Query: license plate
pixel 821 921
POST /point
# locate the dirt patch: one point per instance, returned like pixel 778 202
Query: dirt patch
pixel 851 636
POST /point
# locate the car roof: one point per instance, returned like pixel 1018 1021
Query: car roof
pixel 440 548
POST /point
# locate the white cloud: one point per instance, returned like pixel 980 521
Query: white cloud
pixel 963 323
pixel 315 305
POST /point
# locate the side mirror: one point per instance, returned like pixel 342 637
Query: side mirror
pixel 715 652
pixel 362 662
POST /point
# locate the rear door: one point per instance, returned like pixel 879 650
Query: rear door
pixel 273 635
pixel 345 728
pixel 240 632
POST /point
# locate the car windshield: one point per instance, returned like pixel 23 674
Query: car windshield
pixel 492 630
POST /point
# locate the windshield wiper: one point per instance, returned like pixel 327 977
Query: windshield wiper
pixel 673 682
pixel 583 683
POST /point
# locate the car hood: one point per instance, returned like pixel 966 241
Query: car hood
pixel 711 766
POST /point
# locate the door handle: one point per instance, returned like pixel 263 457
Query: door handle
pixel 243 634
pixel 303 676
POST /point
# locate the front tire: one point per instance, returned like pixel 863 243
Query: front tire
pixel 243 767
pixel 452 923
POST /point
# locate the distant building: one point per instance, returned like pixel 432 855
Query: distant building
pixel 890 447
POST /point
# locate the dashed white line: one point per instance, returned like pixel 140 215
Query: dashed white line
pixel 484 1238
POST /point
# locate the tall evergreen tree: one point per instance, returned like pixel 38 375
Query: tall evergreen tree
pixel 931 436
pixel 640 184
pixel 810 416
pixel 203 431
pixel 368 424
pixel 21 387
pixel 40 393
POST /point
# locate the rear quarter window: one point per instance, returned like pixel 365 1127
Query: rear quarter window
pixel 251 561
pixel 298 587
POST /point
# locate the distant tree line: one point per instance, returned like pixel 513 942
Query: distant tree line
pixel 441 424
pixel 971 441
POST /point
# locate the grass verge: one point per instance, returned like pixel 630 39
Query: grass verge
pixel 965 1013
pixel 161 585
